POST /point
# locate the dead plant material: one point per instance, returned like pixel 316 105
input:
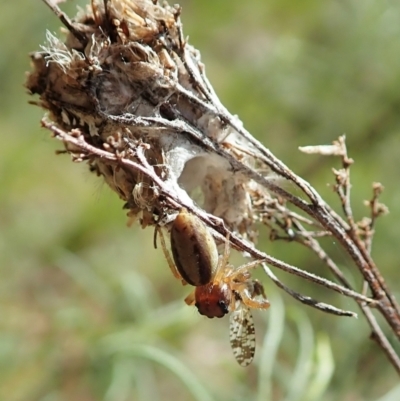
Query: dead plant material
pixel 126 93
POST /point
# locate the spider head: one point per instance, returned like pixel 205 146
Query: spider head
pixel 213 300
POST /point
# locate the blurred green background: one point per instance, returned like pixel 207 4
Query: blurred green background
pixel 90 311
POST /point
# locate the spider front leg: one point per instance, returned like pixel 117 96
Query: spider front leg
pixel 252 294
pixel 167 255
pixel 244 269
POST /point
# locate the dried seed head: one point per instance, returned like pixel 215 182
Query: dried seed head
pixel 125 68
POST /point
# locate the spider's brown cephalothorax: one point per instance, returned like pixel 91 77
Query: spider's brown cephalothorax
pixel 213 300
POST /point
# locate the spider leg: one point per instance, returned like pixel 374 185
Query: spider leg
pixel 243 270
pixel 251 293
pixel 167 255
pixel 225 258
pixel 155 237
pixel 190 299
pixel 223 262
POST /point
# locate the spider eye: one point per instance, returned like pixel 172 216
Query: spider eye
pixel 222 305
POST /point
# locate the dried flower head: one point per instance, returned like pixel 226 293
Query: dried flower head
pixel 129 80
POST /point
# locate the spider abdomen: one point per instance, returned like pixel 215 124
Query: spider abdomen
pixel 193 249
